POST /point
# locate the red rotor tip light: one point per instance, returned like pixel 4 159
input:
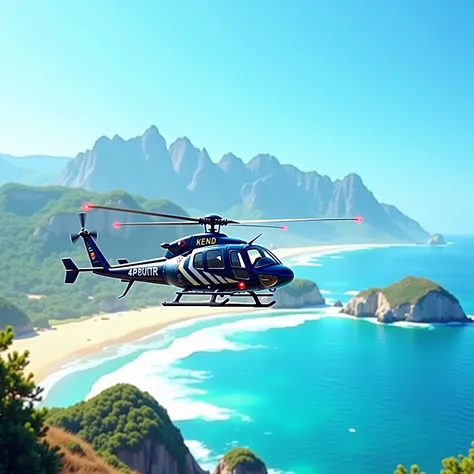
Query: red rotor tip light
pixel 86 206
pixel 359 219
pixel 284 228
pixel 116 225
pixel 241 285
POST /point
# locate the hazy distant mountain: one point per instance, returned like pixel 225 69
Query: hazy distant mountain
pixel 264 187
pixel 32 170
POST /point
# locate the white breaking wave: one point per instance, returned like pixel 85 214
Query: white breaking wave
pixel 325 292
pixel 352 293
pixel 156 372
pixel 202 454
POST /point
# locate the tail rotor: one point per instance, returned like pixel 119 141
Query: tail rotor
pixel 83 232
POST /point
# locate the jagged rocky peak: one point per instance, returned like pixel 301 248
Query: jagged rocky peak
pixel 240 461
pixel 264 164
pixel 229 163
pixel 184 158
pixel 153 144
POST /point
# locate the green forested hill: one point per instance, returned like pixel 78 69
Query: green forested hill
pixel 35 224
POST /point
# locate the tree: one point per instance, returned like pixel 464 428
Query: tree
pixel 413 470
pixel 23 447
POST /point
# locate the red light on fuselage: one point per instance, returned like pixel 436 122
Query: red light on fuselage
pixel 284 228
pixel 359 219
pixel 116 225
pixel 241 285
pixel 182 243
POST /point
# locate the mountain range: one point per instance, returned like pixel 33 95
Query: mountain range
pixel 263 187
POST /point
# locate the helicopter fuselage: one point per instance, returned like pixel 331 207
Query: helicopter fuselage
pixel 236 266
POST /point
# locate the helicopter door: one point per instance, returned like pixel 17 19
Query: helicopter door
pixel 238 265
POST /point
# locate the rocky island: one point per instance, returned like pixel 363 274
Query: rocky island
pixel 240 461
pixel 300 293
pixel 436 239
pixel 411 299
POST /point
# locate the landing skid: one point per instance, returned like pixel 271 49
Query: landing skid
pixel 257 303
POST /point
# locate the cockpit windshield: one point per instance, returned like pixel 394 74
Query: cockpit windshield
pixel 260 257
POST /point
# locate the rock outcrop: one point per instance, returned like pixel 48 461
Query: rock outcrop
pixel 240 461
pixel 155 458
pixel 299 294
pixel 436 239
pixel 412 299
pixel 338 304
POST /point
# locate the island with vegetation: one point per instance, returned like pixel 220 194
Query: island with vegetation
pixel 436 239
pixel 300 293
pixel 411 299
pixel 110 433
pixel 238 459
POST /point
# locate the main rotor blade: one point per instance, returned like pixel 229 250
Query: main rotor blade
pixel 94 234
pixel 144 213
pixel 74 237
pixel 130 224
pixel 306 219
pixel 82 219
pixel 238 224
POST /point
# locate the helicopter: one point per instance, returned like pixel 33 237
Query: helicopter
pixel 209 264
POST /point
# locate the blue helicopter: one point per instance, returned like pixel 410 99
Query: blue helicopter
pixel 206 264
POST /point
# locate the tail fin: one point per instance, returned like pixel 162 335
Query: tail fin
pixel 96 257
pixel 72 272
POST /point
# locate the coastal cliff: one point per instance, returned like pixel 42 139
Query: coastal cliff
pixel 412 299
pixel 240 461
pixel 130 429
pixel 299 293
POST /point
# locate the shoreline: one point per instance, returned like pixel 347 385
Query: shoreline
pixel 50 349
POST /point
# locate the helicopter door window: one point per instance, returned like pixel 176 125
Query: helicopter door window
pixel 198 261
pixel 236 259
pixel 237 262
pixel 214 259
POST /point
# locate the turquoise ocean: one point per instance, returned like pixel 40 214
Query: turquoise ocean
pixel 308 391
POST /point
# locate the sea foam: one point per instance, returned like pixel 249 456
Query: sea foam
pixel 156 371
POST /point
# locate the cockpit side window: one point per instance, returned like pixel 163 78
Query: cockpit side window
pixel 214 259
pixel 198 261
pixel 254 255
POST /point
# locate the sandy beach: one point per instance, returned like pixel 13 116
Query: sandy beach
pixel 50 348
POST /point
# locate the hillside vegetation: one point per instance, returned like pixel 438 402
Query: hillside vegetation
pixel 36 223
pixel 78 457
pixel 122 418
pixel 409 290
pixel 11 315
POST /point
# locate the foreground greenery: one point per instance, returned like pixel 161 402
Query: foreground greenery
pixel 122 418
pixel 409 290
pixel 36 223
pixel 23 444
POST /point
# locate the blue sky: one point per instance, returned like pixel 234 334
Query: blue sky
pixel 381 88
